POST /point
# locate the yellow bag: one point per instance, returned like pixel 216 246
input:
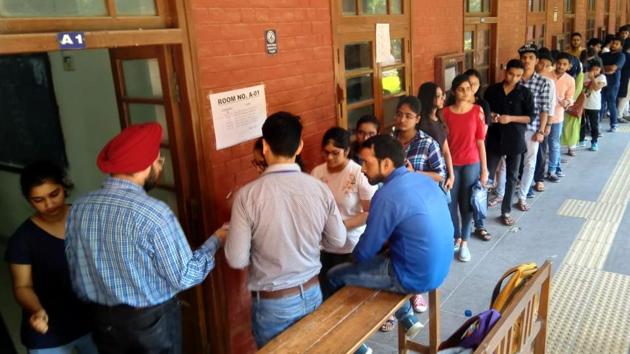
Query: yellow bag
pixel 518 275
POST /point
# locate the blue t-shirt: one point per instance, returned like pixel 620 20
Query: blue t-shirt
pixel 614 58
pixel 410 212
pixel 68 317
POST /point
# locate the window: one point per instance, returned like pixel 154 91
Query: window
pixel 536 34
pixel 478 7
pixel 365 86
pixel 536 5
pixel 76 8
pixel 590 19
pixel 568 23
pixel 479 39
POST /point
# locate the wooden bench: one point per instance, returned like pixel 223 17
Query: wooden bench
pixel 521 329
pixel 340 324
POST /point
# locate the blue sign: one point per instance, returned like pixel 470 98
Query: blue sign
pixel 71 40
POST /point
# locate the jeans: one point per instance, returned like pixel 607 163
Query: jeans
pixel 126 330
pixel 553 141
pixel 272 316
pixel 511 163
pixel 592 117
pixel 609 102
pixel 83 345
pixel 465 178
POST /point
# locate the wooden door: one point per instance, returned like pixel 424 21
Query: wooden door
pixel 478 39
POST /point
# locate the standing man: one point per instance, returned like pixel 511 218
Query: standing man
pixel 537 129
pixel 512 108
pixel 127 253
pixel 575 47
pixel 613 64
pixel 278 223
pixel 410 214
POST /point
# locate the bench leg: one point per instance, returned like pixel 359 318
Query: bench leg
pixel 402 340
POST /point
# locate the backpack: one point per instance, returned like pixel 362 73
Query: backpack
pixel 503 293
pixel 473 331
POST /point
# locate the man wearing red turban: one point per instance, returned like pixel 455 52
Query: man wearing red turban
pixel 127 252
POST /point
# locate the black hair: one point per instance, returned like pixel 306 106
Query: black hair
pixel 369 118
pixel 41 172
pixel 624 28
pixel 566 56
pixel 626 46
pixel 427 93
pixel 475 73
pixel 609 38
pixel 386 147
pixel 514 64
pixel 593 42
pixel 258 145
pixel 339 137
pixel 283 132
pixel 412 102
pixel 457 82
pixel 576 34
pixel 595 62
pixel 618 39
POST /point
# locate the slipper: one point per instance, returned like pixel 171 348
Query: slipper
pixel 522 205
pixel 507 220
pixel 483 234
pixel 494 202
pixel 388 325
pixel 539 187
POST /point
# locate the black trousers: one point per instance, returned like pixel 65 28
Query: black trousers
pixel 512 164
pixel 330 260
pixel 590 120
pixel 123 329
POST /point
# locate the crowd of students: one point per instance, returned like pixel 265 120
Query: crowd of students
pixel 383 211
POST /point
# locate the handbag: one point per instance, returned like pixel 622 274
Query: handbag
pixel 577 108
pixel 473 331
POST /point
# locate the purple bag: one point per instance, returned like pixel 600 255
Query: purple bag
pixel 473 331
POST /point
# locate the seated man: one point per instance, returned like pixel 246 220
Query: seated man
pixel 410 214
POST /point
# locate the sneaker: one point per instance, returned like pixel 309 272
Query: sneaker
pixel 464 253
pixel 559 173
pixel 456 248
pixel 412 325
pixel 364 349
pixel 419 304
pixel 553 178
pixel 530 193
pixel 582 144
pixel 594 147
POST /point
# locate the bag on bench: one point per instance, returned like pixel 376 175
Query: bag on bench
pixel 518 275
pixel 473 331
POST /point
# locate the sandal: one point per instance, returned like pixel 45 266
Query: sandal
pixel 539 187
pixel 507 220
pixel 388 325
pixel 494 202
pixel 483 234
pixel 522 205
pixel 571 152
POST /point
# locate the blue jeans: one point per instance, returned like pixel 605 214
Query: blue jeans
pixel 553 141
pixel 377 273
pixel 83 345
pixel 272 316
pixel 609 103
pixel 465 178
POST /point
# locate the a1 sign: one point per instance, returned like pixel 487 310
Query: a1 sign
pixel 71 40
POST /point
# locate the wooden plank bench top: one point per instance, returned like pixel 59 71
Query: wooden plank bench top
pixel 340 324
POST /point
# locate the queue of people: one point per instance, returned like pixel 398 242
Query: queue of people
pixel 383 211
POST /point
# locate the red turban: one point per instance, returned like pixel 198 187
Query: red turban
pixel 131 151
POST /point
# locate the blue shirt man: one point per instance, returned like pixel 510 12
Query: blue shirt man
pixel 613 64
pixel 410 213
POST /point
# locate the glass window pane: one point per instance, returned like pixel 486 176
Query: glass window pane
pixel 374 7
pixel 167 177
pixel 142 113
pixel 358 55
pixel 484 39
pixel 389 111
pixel 486 6
pixel 397 49
pixel 396 7
pixel 359 88
pixel 485 78
pixel 483 57
pixel 142 78
pixel 468 40
pixel 349 7
pixel 166 196
pixel 52 8
pixel 356 114
pixel 468 60
pixel 393 81
pixel 474 6
pixel 136 8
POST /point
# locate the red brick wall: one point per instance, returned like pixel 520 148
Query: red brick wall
pixel 231 54
pixel 511 30
pixel 438 29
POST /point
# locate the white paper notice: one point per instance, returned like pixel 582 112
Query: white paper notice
pixel 238 115
pixel 383 45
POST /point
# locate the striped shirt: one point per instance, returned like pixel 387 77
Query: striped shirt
pixel 541 91
pixel 125 247
pixel 424 154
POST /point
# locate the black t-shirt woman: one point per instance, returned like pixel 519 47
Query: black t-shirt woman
pixel 52 316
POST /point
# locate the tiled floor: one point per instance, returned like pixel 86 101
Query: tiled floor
pixel 581 223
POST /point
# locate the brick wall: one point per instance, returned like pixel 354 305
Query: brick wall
pixel 511 30
pixel 231 54
pixel 438 29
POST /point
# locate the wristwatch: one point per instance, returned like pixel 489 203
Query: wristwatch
pixel 540 132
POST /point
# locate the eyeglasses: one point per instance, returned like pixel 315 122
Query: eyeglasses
pixel 259 164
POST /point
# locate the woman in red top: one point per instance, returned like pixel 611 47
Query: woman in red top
pixel 466 134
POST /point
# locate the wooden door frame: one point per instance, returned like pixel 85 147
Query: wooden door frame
pixel 195 198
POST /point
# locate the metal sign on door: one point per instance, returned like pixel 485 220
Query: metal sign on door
pixel 271 41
